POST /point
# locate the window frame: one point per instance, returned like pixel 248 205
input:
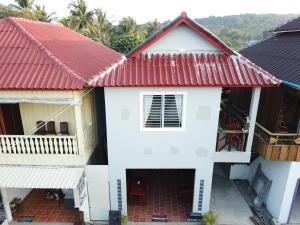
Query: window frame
pixel 183 119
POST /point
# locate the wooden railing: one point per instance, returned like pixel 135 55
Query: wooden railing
pixel 38 145
pixel 231 140
pixel 276 146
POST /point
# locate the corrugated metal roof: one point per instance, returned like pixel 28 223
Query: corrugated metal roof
pixel 39 177
pixel 279 55
pixel 36 55
pixel 214 70
pixel 290 26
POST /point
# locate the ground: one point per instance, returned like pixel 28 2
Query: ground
pixel 227 202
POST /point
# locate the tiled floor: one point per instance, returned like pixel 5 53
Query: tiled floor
pixel 162 199
pixel 43 210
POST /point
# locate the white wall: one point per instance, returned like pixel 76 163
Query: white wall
pixel 182 40
pixel 17 193
pixel 239 171
pixel 279 199
pixel 98 191
pixel 31 113
pixel 129 147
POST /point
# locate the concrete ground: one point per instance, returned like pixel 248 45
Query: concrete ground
pixel 295 215
pixel 227 202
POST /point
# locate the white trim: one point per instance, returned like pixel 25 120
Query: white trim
pixel 184 104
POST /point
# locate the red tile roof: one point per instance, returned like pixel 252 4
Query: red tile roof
pixel 211 70
pixel 35 55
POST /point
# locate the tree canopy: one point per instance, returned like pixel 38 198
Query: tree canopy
pixel 237 31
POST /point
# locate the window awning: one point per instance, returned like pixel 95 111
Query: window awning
pixel 40 177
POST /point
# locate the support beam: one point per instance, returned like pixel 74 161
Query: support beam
pixel 252 116
pixel 79 124
pixel 5 201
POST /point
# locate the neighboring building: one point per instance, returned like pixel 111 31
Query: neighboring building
pixel 164 105
pixel 277 138
pixel 45 70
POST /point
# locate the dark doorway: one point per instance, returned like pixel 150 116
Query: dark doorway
pixel 10 119
pixel 161 192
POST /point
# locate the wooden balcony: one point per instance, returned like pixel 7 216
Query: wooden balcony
pixel 276 146
pixel 39 150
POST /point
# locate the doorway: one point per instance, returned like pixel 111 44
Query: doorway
pixel 159 193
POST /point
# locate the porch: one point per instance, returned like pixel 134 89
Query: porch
pixel 237 118
pixel 42 194
pixel 46 129
pixel 277 131
pixel 39 206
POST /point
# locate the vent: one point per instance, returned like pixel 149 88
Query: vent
pixel 201 191
pixel 119 189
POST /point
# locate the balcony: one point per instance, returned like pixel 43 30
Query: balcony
pixel 276 146
pixel 39 149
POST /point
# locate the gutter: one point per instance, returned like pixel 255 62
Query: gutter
pixel 290 84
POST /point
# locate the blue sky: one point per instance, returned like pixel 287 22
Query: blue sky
pixel 144 11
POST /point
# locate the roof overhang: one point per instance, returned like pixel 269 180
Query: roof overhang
pixel 40 177
pixel 52 101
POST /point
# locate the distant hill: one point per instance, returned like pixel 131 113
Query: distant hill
pixel 238 31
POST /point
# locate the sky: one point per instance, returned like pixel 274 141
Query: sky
pixel 163 10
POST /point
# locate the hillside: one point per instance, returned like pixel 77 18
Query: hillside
pixel 238 31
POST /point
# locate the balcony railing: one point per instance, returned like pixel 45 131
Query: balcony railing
pixel 38 145
pixel 276 146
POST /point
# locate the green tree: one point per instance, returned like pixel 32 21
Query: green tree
pixel 80 15
pixel 125 43
pixel 100 29
pixel 6 11
pixel 152 27
pixel 24 4
pixel 129 26
pixel 41 14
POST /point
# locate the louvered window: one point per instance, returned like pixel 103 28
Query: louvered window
pixel 162 111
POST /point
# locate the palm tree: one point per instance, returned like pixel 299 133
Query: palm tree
pixel 152 27
pixel 41 14
pixel 100 29
pixel 23 4
pixel 128 26
pixel 80 14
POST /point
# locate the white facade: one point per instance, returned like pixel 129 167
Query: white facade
pixel 284 176
pixel 129 147
pixel 182 40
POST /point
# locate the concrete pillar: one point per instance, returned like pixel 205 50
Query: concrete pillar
pixel 5 201
pixel 202 188
pixel 252 116
pixel 116 175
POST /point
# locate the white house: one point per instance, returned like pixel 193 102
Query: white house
pixel 48 128
pixel 169 120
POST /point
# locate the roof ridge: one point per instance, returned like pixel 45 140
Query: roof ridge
pixel 46 51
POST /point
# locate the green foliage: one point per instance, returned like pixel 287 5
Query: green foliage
pixel 41 14
pixel 123 220
pixel 210 218
pixel 125 43
pixel 238 31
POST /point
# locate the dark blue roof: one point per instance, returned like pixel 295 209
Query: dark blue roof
pixel 279 55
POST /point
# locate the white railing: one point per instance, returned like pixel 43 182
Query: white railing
pixel 38 145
